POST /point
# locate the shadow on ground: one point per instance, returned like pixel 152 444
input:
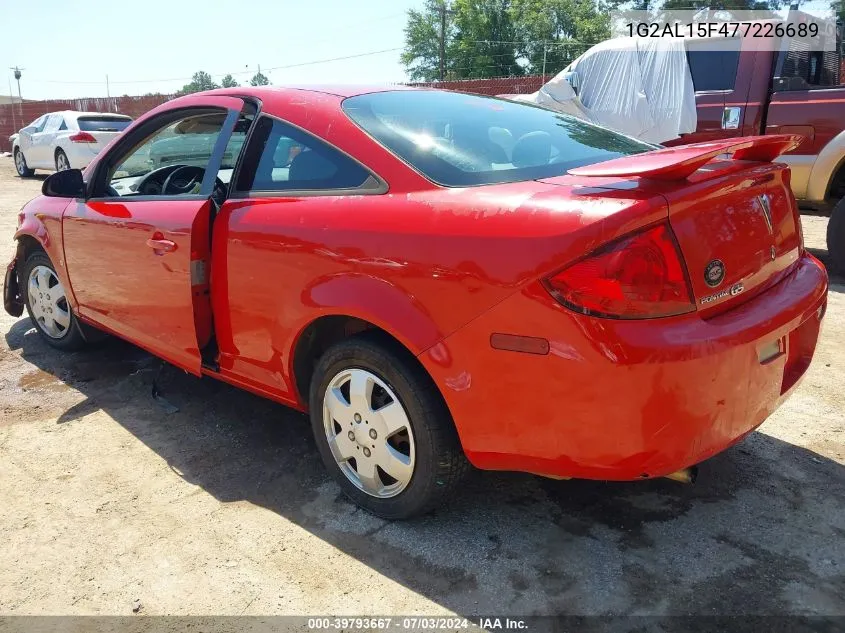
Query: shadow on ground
pixel 762 531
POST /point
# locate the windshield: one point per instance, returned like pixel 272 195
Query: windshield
pixel 459 140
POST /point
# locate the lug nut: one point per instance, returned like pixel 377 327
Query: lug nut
pixel 366 452
pixel 373 433
pixel 351 436
pixel 357 417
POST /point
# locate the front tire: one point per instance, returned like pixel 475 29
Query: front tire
pixel 836 238
pixel 383 430
pixel 47 304
pixel 20 165
pixel 62 162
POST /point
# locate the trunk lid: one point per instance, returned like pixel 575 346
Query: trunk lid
pixel 736 221
pixel 738 233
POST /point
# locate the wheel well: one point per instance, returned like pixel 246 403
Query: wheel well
pixel 326 331
pixel 837 184
pixel 26 246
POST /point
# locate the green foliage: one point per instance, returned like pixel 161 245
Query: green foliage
pixel 499 38
pixel 483 45
pixel 199 82
pixel 259 79
pixel 229 82
pixel 559 29
pixel 421 56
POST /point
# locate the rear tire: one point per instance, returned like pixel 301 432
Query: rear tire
pixel 62 162
pixel 836 238
pixel 20 165
pixel 425 455
pixel 47 305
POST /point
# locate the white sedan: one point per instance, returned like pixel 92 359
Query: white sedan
pixel 65 140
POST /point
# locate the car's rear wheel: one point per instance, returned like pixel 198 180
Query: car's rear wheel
pixel 62 162
pixel 383 430
pixel 47 304
pixel 836 238
pixel 20 165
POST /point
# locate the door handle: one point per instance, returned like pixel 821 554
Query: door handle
pixel 161 245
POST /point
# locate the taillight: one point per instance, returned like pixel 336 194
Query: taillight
pixel 82 137
pixel 637 277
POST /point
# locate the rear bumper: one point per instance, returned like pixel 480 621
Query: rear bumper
pixel 623 400
pixel 79 155
pixel 12 298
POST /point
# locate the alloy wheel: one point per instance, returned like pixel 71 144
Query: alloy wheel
pixel 20 163
pixel 369 433
pixel 62 162
pixel 48 302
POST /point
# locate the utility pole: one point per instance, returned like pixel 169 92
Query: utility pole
pixel 108 93
pixel 442 9
pixel 545 48
pixel 12 97
pixel 18 79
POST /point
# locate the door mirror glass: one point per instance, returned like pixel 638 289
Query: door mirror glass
pixel 64 184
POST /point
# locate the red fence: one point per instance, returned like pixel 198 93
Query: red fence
pixel 14 116
pixel 17 115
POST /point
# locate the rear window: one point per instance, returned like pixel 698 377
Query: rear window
pixel 459 140
pixel 103 123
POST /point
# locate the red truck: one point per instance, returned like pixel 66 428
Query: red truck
pixel 745 90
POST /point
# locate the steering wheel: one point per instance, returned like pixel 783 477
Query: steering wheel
pixel 198 174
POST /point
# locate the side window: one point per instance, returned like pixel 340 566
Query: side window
pixel 38 124
pixel 281 157
pixel 63 125
pixel 53 123
pixel 172 160
pixel 713 68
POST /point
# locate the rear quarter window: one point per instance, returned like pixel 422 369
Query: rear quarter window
pixel 459 140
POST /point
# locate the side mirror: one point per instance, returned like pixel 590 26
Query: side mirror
pixel 64 184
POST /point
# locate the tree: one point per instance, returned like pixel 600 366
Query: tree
pixel 259 79
pixel 229 82
pixel 484 42
pixel 557 31
pixel 199 82
pixel 421 56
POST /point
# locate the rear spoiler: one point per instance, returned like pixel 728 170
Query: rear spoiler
pixel 680 162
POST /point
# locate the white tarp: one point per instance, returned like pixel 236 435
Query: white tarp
pixel 640 87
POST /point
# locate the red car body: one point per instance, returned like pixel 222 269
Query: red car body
pixel 463 279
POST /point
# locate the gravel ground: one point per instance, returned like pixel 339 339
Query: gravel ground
pixel 110 505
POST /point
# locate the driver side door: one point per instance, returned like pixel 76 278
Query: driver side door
pixel 137 249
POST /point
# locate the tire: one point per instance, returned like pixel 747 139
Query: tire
pixel 429 441
pixel 836 238
pixel 62 162
pixel 20 165
pixel 69 337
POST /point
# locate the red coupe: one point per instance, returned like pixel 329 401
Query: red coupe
pixel 439 277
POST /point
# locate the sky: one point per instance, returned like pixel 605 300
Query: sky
pixel 67 47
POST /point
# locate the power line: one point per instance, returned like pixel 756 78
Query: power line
pixel 239 72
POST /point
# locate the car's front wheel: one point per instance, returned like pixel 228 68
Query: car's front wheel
pixel 47 304
pixel 383 430
pixel 20 165
pixel 62 162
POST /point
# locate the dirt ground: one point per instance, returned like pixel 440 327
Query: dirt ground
pixel 109 504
